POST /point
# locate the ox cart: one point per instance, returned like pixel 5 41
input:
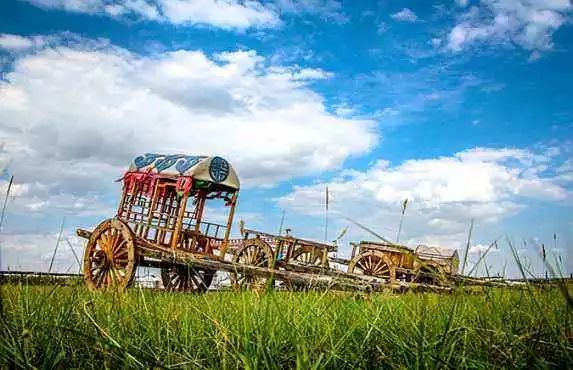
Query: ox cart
pixel 165 219
pixel 162 221
pixel 393 262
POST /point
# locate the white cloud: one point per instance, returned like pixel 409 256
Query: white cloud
pixel 405 15
pixel 226 14
pixel 326 9
pixel 17 43
pixel 382 27
pixel 25 251
pixel 222 13
pixel 301 74
pixel 482 248
pixel 529 24
pixel 565 171
pixel 445 194
pixel 71 118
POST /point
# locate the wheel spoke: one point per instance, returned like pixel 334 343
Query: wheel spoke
pixel 119 241
pixel 100 277
pixel 196 279
pixel 118 245
pixel 106 241
pixel 378 265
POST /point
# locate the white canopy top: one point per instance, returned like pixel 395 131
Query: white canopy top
pixel 212 169
pixel 437 252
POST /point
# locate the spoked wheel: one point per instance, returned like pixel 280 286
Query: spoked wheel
pixel 109 258
pixel 373 263
pixel 306 257
pixel 430 274
pixel 181 278
pixel 254 252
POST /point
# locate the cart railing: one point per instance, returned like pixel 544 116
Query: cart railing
pixel 212 229
pixel 288 239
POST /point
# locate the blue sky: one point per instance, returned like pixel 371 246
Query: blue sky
pixel 463 107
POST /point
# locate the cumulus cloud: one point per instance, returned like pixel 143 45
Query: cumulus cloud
pixel 15 42
pixel 444 194
pixel 482 248
pixel 529 24
pixel 72 117
pixel 226 14
pixel 223 14
pixel 405 15
pixel 34 251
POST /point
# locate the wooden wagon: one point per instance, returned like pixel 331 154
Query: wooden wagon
pixel 284 252
pixel 162 222
pixel 393 262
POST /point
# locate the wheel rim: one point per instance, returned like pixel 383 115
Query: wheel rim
pixel 429 275
pixel 373 264
pixel 307 257
pixel 109 259
pixel 253 254
pixel 178 278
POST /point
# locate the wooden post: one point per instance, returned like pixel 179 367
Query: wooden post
pixel 121 201
pixel 181 212
pixel 154 196
pixel 57 243
pixel 229 225
pixel 199 211
pixel 133 191
pixel 324 259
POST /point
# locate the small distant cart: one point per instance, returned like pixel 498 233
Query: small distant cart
pixel 280 252
pixel 392 262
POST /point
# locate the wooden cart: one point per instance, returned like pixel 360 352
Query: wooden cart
pixel 161 222
pixel 284 252
pixel 392 262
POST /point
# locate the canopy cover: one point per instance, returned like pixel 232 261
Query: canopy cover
pixel 436 252
pixel 212 169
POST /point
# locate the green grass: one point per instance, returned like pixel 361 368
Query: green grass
pixel 63 326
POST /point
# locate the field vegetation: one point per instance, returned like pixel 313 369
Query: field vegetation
pixel 68 326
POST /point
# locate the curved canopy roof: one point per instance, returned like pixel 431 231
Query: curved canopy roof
pixel 212 169
pixel 436 252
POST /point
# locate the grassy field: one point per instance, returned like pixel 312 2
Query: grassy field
pixel 63 326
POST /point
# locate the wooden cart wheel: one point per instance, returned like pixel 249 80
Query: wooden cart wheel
pixel 181 278
pixel 308 257
pixel 430 274
pixel 109 258
pixel 373 263
pixel 254 252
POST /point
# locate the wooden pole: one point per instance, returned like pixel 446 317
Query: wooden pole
pixel 201 195
pixel 179 223
pixel 401 220
pixel 75 255
pixel 229 224
pixel 282 222
pixel 326 216
pixel 465 260
pixel 57 243
pixel 4 210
